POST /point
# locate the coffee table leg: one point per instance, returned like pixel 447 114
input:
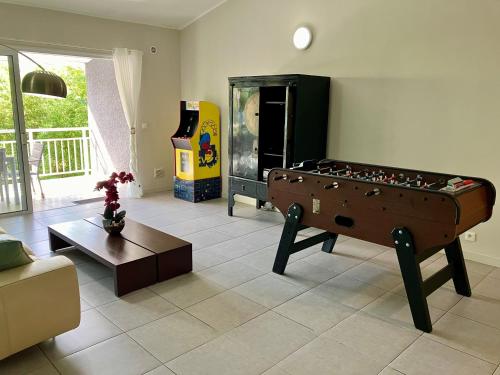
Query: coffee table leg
pixel 134 275
pixel 57 243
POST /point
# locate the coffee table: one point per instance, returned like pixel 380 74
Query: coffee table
pixel 139 256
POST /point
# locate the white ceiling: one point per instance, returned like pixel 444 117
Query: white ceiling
pixel 175 14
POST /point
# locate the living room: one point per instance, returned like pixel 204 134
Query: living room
pixel 202 288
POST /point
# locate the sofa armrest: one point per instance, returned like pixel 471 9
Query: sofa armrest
pixel 38 301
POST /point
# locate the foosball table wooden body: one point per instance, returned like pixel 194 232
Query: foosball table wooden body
pixel 415 212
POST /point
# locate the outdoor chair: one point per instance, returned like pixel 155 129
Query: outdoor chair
pixel 34 163
pixel 8 174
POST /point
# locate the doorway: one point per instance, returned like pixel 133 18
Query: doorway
pixel 58 135
pixel 70 143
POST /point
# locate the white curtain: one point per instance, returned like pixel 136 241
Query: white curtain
pixel 128 68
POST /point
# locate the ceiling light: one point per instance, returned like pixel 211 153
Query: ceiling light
pixel 302 38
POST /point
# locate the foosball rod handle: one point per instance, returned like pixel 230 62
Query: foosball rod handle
pixel 282 177
pixel 333 185
pixel 294 180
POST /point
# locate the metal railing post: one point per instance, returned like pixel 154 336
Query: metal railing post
pixel 86 164
pixel 30 140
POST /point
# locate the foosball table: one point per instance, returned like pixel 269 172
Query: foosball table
pixel 418 213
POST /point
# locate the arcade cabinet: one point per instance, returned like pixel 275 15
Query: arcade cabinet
pixel 197 152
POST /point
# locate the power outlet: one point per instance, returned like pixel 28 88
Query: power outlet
pixel 470 236
pixel 158 172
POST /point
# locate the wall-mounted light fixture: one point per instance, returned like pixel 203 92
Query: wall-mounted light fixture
pixel 41 82
pixel 302 38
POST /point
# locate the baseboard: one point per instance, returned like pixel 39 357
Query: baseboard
pixel 157 190
pixel 246 200
pixel 482 258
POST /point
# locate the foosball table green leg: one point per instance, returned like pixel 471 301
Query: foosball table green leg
pixel 455 258
pixel 329 243
pixel 288 245
pixel 412 277
pixel 290 230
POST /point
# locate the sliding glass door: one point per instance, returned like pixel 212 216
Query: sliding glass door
pixel 14 164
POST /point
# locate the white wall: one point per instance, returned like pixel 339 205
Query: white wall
pixel 160 78
pixel 416 83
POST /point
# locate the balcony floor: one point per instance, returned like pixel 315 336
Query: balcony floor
pixel 63 192
pixel 59 192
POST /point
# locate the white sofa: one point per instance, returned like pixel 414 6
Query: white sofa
pixel 38 301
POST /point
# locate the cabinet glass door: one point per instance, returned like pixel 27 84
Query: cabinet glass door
pixel 13 194
pixel 245 142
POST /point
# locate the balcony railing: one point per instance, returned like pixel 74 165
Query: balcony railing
pixel 66 151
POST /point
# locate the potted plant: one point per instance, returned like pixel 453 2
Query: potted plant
pixel 113 221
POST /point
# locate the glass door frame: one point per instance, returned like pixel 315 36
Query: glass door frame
pixel 20 134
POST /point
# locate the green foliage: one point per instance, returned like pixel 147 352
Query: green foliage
pixel 42 112
pixel 109 216
pixel 6 121
pixel 59 113
pixel 107 222
pixel 108 213
pixel 120 216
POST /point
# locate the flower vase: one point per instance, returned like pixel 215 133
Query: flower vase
pixel 113 228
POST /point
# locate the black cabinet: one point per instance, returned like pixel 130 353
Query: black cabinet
pixel 274 121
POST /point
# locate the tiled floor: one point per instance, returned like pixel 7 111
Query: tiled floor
pixel 344 313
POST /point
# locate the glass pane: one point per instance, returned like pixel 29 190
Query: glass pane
pixel 11 184
pixel 246 131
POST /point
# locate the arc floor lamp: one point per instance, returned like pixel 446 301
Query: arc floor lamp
pixel 41 82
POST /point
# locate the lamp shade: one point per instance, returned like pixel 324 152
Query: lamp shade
pixel 41 82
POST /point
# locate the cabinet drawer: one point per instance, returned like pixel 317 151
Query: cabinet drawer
pixel 244 187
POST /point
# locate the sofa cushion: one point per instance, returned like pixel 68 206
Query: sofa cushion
pixel 29 251
pixel 12 253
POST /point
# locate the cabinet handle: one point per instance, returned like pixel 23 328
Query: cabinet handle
pixel 256 114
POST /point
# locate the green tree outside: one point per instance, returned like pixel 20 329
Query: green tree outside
pixel 40 112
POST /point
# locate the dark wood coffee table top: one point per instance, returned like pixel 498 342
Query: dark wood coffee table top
pixel 94 241
pixel 154 240
pixel 139 256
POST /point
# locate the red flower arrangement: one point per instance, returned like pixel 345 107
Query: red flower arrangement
pixel 111 214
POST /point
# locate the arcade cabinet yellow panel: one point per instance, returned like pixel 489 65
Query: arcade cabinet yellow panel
pixel 197 152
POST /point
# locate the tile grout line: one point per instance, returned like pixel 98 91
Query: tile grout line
pixel 393 369
pixel 232 259
pixel 428 336
pixel 50 361
pixel 226 332
pixel 431 337
pixel 204 299
pixel 223 333
pixel 301 324
pixel 141 325
pixel 97 343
